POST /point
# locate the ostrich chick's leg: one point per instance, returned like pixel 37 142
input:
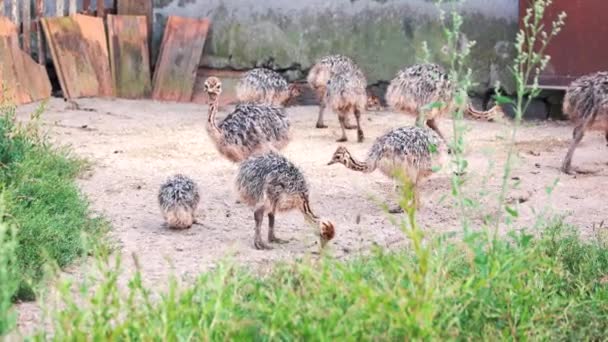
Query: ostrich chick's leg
pixel 360 136
pixel 271 236
pixel 320 123
pixel 577 136
pixel 606 136
pixel 342 119
pixel 258 215
pixel 348 125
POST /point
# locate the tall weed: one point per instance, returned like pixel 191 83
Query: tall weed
pixel 50 215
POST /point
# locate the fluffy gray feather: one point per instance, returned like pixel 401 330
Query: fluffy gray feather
pixel 251 125
pixel 587 96
pixel 178 190
pixel 264 80
pixel 269 178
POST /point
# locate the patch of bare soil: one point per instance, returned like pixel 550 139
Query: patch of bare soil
pixel 135 145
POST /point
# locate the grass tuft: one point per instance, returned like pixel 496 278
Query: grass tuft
pixel 42 201
pixel 547 287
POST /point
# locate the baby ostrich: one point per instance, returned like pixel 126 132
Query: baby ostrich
pixel 346 94
pixel 322 72
pixel 250 128
pixel 586 103
pixel 266 86
pixel 270 183
pixel 420 85
pixel 178 198
pixel 424 84
pixel 412 150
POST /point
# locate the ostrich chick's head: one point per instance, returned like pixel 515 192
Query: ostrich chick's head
pixel 327 232
pixel 341 156
pixel 213 87
pixel 294 90
pixel 373 102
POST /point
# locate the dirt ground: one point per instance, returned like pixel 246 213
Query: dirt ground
pixel 135 145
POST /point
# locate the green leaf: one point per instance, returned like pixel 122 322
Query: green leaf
pixel 501 99
pixel 511 211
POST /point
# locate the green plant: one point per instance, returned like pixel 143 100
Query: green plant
pixel 50 215
pixel 8 274
pixel 546 286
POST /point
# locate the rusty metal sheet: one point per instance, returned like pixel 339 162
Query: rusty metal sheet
pixel 94 37
pixel 129 55
pixel 21 78
pixel 180 53
pixel 7 27
pixel 12 87
pixel 580 48
pixel 71 58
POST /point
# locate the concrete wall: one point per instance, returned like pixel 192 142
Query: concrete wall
pixel 381 35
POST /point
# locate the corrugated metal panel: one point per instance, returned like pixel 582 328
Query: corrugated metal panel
pixel 581 47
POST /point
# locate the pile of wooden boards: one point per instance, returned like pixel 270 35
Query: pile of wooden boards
pixel 22 80
pixel 112 59
pixel 87 67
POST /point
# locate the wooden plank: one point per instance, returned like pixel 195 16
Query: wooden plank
pixel 22 79
pixel 86 6
pixel 59 8
pixel 1 8
pixel 129 55
pixel 94 34
pixel 7 27
pixel 101 8
pixel 15 11
pixel 12 88
pixel 39 34
pixel 33 75
pixel 72 8
pixel 27 25
pixel 180 54
pixel 70 57
pixel 137 7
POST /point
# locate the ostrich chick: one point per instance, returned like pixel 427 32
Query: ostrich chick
pixel 250 128
pixel 323 70
pixel 586 104
pixel 266 86
pixel 346 94
pixel 412 150
pixel 420 85
pixel 178 198
pixel 271 183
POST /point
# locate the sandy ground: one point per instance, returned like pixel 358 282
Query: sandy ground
pixel 135 145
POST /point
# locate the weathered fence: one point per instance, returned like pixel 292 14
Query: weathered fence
pixel 27 14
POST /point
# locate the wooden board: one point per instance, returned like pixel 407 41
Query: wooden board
pixel 94 35
pixel 22 80
pixel 180 54
pixel 74 67
pixel 37 80
pixel 7 28
pixel 137 7
pixel 12 88
pixel 129 55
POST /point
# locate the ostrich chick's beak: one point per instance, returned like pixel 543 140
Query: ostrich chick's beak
pixel 331 162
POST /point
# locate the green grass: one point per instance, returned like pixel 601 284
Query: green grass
pixel 550 287
pixel 41 201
